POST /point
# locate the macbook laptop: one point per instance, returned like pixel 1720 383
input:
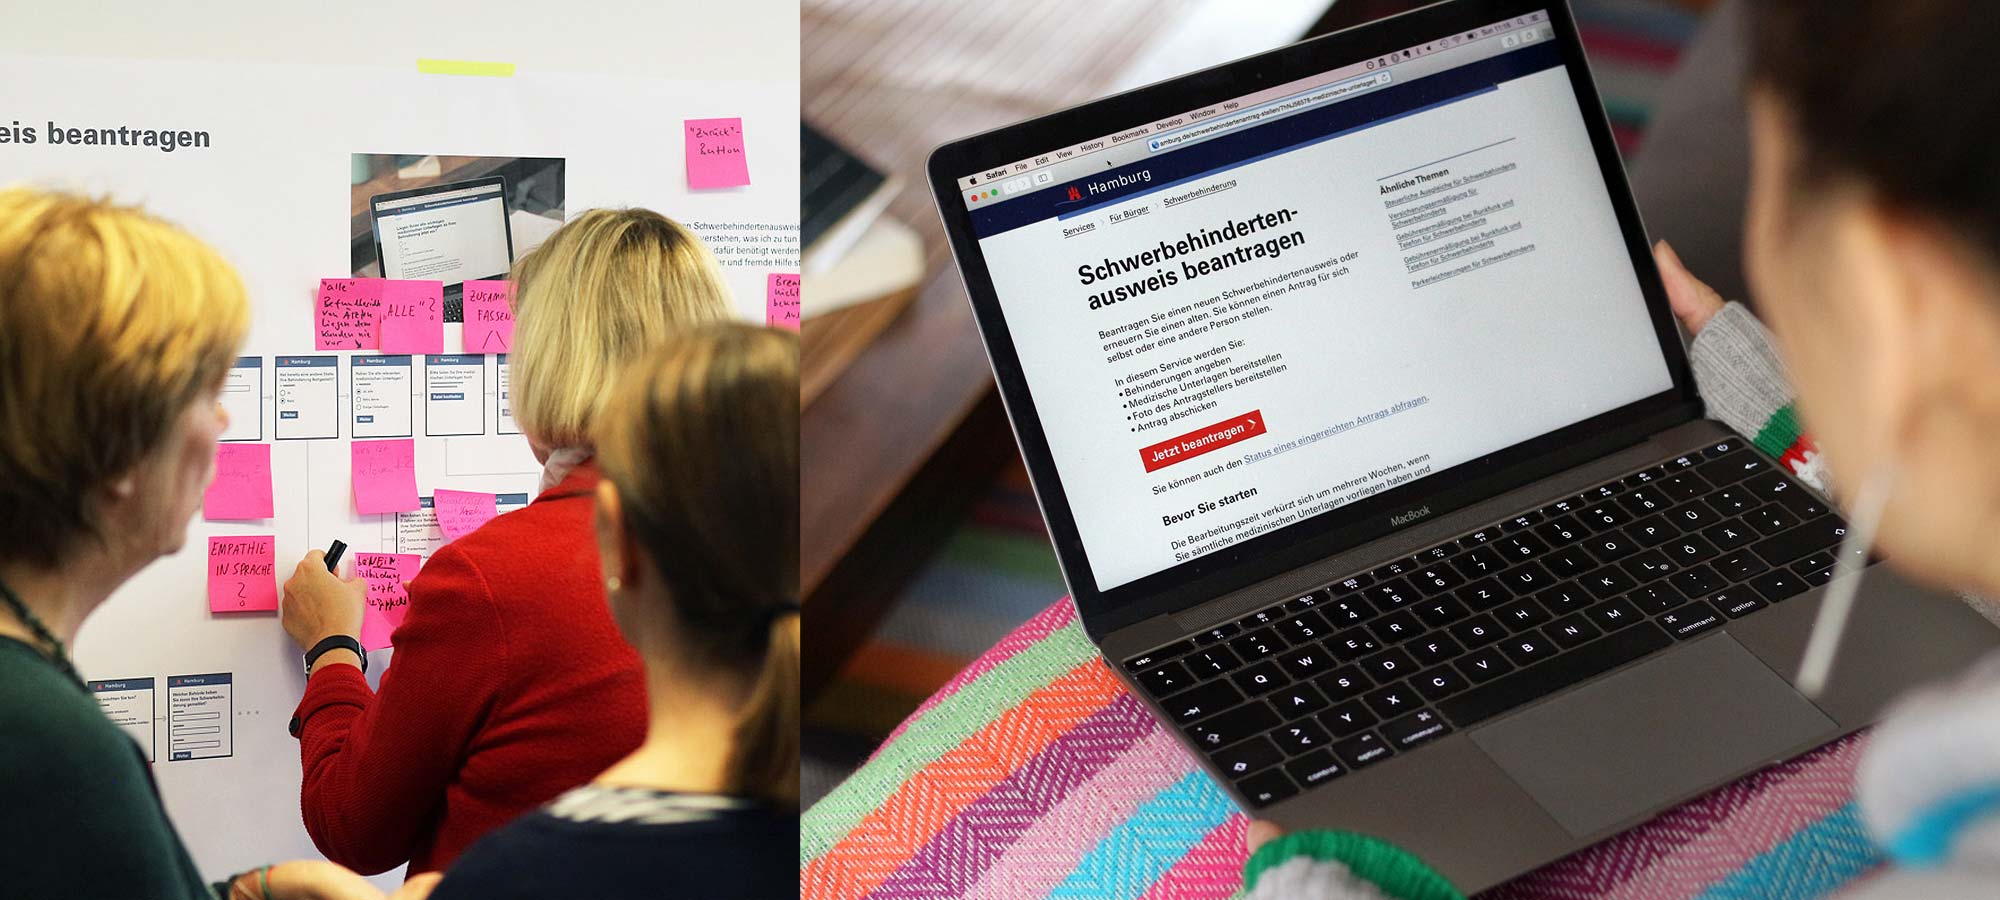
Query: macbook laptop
pixel 1371 454
pixel 454 233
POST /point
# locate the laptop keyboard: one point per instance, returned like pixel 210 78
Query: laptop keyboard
pixel 1291 697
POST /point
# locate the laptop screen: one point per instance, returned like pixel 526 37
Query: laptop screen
pixel 451 233
pixel 1248 315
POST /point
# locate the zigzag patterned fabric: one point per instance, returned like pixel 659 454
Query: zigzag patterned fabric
pixel 1034 774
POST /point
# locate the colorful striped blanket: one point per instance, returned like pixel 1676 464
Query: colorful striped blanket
pixel 1034 774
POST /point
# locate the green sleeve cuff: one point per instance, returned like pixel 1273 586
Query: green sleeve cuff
pixel 1391 869
pixel 1779 433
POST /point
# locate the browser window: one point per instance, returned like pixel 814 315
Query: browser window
pixel 1253 314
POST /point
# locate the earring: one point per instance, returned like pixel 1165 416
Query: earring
pixel 612 584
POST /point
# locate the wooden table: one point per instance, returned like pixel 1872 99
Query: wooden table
pixel 899 441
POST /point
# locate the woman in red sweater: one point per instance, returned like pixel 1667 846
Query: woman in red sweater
pixel 509 683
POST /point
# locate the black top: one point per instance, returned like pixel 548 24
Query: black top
pixel 79 814
pixel 627 844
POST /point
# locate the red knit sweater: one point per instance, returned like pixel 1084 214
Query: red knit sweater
pixel 509 685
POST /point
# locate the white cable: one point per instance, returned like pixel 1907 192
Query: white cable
pixel 1846 584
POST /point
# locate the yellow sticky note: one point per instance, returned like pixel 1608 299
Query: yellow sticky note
pixel 465 67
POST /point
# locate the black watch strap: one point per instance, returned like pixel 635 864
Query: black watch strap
pixel 336 642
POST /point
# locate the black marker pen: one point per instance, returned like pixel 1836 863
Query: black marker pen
pixel 333 556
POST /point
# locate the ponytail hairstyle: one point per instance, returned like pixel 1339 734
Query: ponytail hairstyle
pixel 701 438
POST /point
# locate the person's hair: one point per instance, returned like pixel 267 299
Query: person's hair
pixel 601 290
pixel 701 438
pixel 1901 94
pixel 112 324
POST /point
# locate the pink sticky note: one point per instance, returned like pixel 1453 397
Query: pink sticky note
pixel 242 485
pixel 348 314
pixel 715 153
pixel 489 316
pixel 460 512
pixel 242 573
pixel 388 601
pixel 412 316
pixel 385 476
pixel 781 300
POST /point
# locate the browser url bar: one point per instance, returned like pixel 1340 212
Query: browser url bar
pixel 1273 109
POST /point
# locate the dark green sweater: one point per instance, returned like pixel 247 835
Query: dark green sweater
pixel 79 813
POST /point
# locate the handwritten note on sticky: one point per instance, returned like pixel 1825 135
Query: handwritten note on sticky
pixel 242 573
pixel 388 601
pixel 781 300
pixel 348 314
pixel 412 316
pixel 461 512
pixel 385 476
pixel 242 485
pixel 715 153
pixel 489 316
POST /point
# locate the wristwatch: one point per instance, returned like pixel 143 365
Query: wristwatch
pixel 336 642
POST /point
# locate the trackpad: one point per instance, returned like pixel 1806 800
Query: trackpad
pixel 1625 746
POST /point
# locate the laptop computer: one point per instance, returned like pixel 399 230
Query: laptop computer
pixel 1371 455
pixel 454 233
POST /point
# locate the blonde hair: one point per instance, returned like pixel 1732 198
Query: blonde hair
pixel 701 438
pixel 604 288
pixel 112 323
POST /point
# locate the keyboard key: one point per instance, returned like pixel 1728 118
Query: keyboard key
pixel 1520 547
pixel 1730 469
pixel 1433 579
pixel 1301 737
pixel 1690 550
pixel 1733 501
pixel 1352 644
pixel 1778 585
pixel 1649 566
pixel 1597 495
pixel 1217 634
pixel 1522 614
pixel 1315 768
pixel 1739 566
pixel 1527 578
pixel 1604 515
pixel 1393 595
pixel 1524 520
pixel 1266 788
pixel 1166 679
pixel 1479 563
pixel 1804 506
pixel 1613 650
pixel 1561 531
pixel 1361 750
pixel 1394 569
pixel 1355 583
pixel 1257 644
pixel 1434 555
pixel 1684 462
pixel 1652 531
pixel 1737 602
pixel 1388 665
pixel 1305 601
pixel 1201 700
pixel 1612 615
pixel 1296 700
pixel 1681 487
pixel 1690 620
pixel 1433 648
pixel 1644 502
pixel 1484 594
pixel 1347 718
pixel 1655 598
pixel 1211 662
pixel 1771 518
pixel 1644 477
pixel 1260 619
pixel 1344 683
pixel 1219 731
pixel 1245 757
pixel 1722 448
pixel 1611 546
pixel 1564 599
pixel 1396 627
pixel 1304 628
pixel 1484 665
pixel 1696 582
pixel 1307 662
pixel 1413 729
pixel 1784 547
pixel 1482 536
pixel 1772 485
pixel 1819 578
pixel 1262 678
pixel 1571 630
pixel 1813 562
pixel 1569 562
pixel 1342 612
pixel 1691 516
pixel 1440 682
pixel 1439 613
pixel 1562 508
pixel 1149 660
pixel 1528 648
pixel 1729 535
pixel 1478 630
pixel 1607 582
pixel 1391 700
